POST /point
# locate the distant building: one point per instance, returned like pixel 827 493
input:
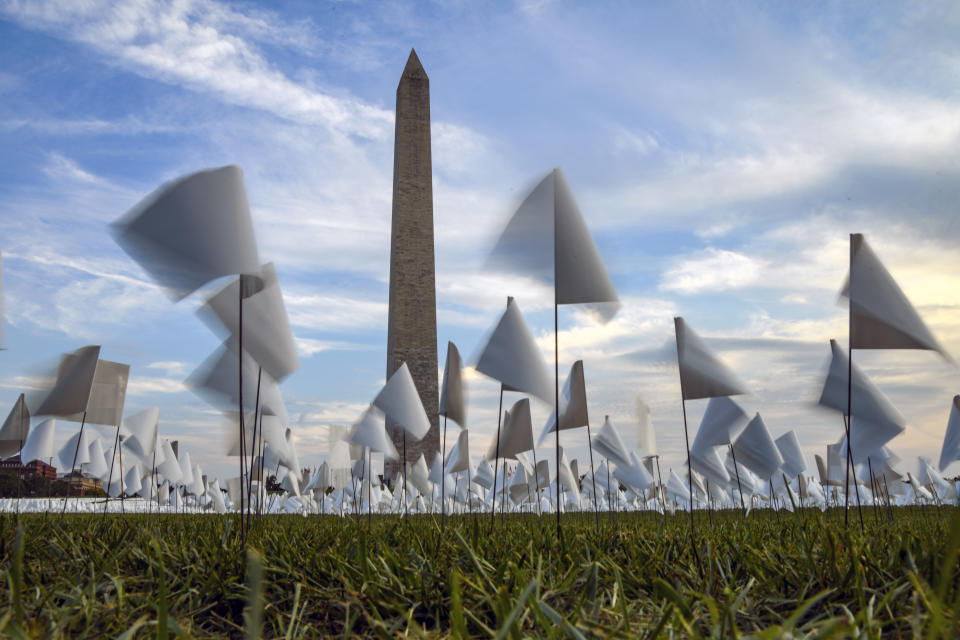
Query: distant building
pixel 35 468
pixel 80 485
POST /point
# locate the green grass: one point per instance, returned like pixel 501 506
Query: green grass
pixel 184 576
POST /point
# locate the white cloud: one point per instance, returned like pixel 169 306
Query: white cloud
pixel 142 385
pixel 202 45
pixel 307 347
pixel 328 312
pixel 712 270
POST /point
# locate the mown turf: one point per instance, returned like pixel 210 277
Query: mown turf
pixel 149 576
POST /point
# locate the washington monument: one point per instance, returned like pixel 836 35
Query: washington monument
pixel 412 324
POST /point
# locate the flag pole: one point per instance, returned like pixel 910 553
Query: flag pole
pixel 73 465
pixel 593 473
pixel 536 478
pixel 253 453
pixel 849 422
pixel 243 531
pixel 496 461
pixel 743 507
pixel 663 503
pixel 443 477
pixel 556 375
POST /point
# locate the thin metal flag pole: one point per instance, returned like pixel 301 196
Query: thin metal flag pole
pixel 73 465
pixel 496 461
pixel 743 507
pixel 443 477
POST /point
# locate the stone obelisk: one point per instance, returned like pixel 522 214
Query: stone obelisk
pixel 412 324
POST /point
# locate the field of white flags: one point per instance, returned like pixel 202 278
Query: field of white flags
pixel 511 537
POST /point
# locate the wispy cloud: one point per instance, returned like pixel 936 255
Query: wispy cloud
pixel 203 45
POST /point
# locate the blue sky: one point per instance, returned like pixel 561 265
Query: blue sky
pixel 721 153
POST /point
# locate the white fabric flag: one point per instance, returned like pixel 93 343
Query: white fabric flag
pixel 567 479
pixel 756 450
pixel 789 446
pixel 216 381
pixel 609 444
pixel 191 231
pixel 77 448
pixel 214 491
pixel 169 468
pixel 132 479
pixel 267 336
pixel 702 374
pixel 512 356
pixel 420 476
pixel 143 432
pixel 708 462
pixel 15 428
pixel 97 465
pixel 186 469
pixel 634 475
pixel 459 457
pixel 71 392
pixel 107 394
pixel 369 432
pixel 548 239
pixel 39 444
pixel 573 404
pixel 452 399
pixel 197 486
pixel 483 475
pixel 723 421
pixel 951 439
pixel 436 470
pixel 875 420
pixel 401 403
pixel 646 442
pixel 516 433
pixel 881 317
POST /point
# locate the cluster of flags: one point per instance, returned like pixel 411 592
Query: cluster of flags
pixel 198 229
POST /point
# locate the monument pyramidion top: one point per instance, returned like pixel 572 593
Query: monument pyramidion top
pixel 413 70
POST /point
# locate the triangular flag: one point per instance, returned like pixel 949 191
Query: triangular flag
pixel 483 476
pixel 77 448
pixel 368 431
pixel 646 442
pixel 39 444
pixel 401 403
pixel 722 422
pixel 459 458
pixel 610 445
pixel 951 439
pixel 789 446
pixel 452 401
pixel 516 434
pixel 512 356
pixel 573 404
pixel 143 432
pixel 13 433
pixel 547 239
pixel 97 464
pixel 71 392
pixel 634 475
pixel 702 374
pixel 420 476
pixel 875 420
pixel 191 231
pixel 107 394
pixel 170 467
pixel 756 450
pixel 266 329
pixel 881 317
pixel 708 462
